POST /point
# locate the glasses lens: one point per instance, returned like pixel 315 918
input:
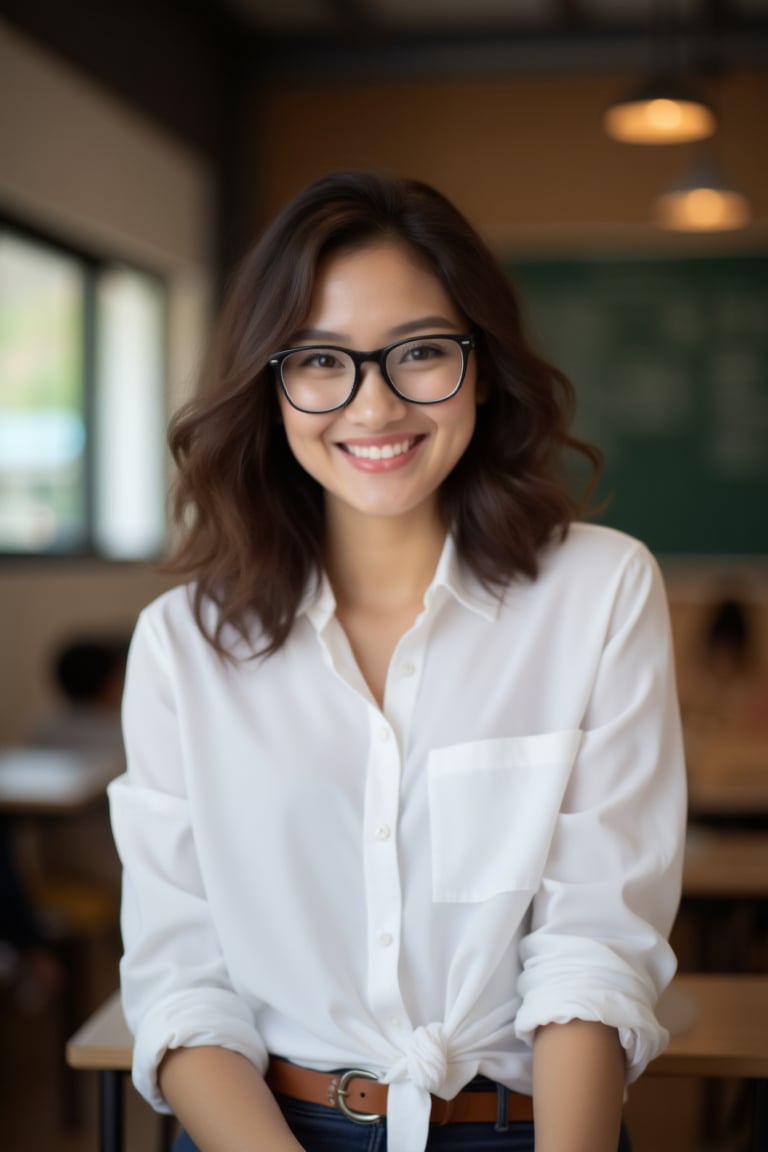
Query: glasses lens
pixel 317 379
pixel 425 369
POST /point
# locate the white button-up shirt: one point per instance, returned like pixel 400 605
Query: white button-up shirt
pixel 411 890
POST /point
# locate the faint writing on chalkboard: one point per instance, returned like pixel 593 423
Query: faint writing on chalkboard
pixel 739 413
pixel 669 359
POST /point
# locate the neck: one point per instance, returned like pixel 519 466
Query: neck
pixel 380 562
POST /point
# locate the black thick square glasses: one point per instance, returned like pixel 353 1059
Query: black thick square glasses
pixel 319 378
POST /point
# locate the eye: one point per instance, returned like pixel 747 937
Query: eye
pixel 421 351
pixel 320 358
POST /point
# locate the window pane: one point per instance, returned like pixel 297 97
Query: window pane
pixel 129 491
pixel 42 427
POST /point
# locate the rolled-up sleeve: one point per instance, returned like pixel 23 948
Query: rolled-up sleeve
pixel 597 947
pixel 174 982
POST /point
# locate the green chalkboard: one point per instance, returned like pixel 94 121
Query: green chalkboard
pixel 669 358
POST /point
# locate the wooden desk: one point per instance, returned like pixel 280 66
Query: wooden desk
pixel 49 781
pixel 38 785
pixel 725 885
pixel 104 1041
pixel 719 1030
pixel 105 1045
pixel 727 773
pixel 718 1026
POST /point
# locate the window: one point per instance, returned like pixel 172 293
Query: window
pixel 82 412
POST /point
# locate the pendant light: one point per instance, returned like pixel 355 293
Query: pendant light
pixel 702 201
pixel 665 108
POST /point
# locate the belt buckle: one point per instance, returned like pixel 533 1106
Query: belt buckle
pixel 342 1093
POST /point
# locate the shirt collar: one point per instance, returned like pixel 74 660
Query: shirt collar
pixel 318 603
pixel 452 578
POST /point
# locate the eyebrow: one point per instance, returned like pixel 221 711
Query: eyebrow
pixel 423 324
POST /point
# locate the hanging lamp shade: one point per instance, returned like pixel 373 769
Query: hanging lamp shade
pixel 702 202
pixel 664 110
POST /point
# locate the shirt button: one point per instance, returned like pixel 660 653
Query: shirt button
pixel 385 939
pixel 382 832
pixel 408 669
pixel 383 735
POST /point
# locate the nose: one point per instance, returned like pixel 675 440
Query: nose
pixel 375 404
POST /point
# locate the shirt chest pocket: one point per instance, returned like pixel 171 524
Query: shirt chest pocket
pixel 492 810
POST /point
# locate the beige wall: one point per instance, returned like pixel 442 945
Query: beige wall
pixel 80 164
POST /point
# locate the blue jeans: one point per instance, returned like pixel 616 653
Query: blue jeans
pixel 321 1129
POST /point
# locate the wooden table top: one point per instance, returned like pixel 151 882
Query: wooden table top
pixel 725 863
pixel 41 781
pixel 718 1026
pixel 103 1041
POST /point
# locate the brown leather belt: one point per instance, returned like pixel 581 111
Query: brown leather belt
pixel 361 1097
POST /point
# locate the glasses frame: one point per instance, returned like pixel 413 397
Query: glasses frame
pixel 377 356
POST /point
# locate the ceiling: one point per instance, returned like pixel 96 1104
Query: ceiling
pixel 402 16
pixel 425 36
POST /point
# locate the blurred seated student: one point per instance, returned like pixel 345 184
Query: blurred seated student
pixel 89 674
pixel 725 687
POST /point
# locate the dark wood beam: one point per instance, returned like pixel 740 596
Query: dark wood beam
pixel 480 51
pixel 354 14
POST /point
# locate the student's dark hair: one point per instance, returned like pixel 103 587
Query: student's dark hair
pixel 729 630
pixel 84 667
pixel 252 518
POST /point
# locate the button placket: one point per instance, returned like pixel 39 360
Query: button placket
pixel 383 792
pixel 404 679
pixel 382 869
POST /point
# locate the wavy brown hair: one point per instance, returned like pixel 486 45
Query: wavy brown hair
pixel 252 519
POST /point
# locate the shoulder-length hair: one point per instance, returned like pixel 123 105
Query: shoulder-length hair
pixel 252 519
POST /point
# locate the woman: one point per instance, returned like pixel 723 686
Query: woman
pixel 403 814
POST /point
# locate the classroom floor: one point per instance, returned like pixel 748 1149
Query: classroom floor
pixel 663 1115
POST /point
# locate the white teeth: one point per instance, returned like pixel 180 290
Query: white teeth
pixel 374 452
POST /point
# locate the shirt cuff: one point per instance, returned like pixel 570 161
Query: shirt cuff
pixel 640 1034
pixel 192 1020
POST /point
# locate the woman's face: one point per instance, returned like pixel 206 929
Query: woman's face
pixel 381 456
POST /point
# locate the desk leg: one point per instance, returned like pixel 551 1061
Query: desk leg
pixel 111 1110
pixel 760 1117
pixel 167 1133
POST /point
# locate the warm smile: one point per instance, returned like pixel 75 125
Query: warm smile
pixel 380 455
